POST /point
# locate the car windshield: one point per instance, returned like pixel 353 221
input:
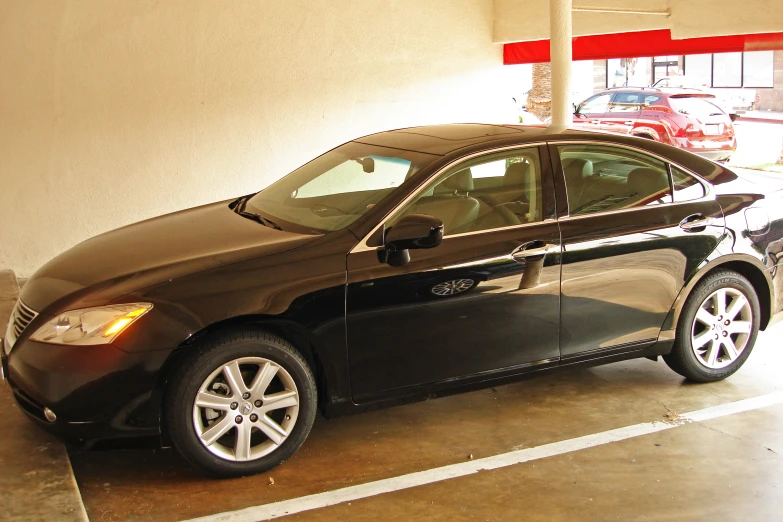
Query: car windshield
pixel 698 107
pixel 337 188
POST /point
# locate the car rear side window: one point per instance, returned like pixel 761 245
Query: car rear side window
pixel 686 187
pixel 603 178
pixel 627 102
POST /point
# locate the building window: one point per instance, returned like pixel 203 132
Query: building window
pixel 665 66
pixel 757 69
pixel 698 69
pixel 727 70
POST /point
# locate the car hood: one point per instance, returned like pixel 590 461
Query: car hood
pixel 113 264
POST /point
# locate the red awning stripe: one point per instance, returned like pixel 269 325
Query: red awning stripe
pixel 640 44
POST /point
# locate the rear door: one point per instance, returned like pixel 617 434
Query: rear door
pixel 589 113
pixel 628 245
pixel 622 113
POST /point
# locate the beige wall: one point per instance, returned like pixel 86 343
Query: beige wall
pixel 113 111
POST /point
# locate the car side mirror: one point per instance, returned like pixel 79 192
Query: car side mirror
pixel 411 232
pixel 576 108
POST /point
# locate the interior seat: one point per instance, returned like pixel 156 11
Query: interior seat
pixel 451 203
pixel 577 172
pixel 647 185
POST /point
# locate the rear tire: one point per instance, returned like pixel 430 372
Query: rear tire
pixel 242 404
pixel 717 328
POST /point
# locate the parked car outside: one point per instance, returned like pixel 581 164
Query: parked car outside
pixel 687 119
pixel 400 266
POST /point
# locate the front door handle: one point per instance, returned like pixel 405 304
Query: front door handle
pixel 695 223
pixel 596 122
pixel 534 250
pixel 630 122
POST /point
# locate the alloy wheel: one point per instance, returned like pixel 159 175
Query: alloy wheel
pixel 453 287
pixel 245 409
pixel 721 328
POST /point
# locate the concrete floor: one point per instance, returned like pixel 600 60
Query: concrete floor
pixel 728 468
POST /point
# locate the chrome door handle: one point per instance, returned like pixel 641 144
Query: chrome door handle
pixel 695 223
pixel 596 122
pixel 534 249
pixel 630 122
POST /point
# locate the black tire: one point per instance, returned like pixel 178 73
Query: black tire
pixel 210 355
pixel 682 358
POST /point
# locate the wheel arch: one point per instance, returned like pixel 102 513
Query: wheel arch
pixel 295 333
pixel 744 265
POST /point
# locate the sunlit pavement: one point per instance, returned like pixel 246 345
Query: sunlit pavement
pixel 757 144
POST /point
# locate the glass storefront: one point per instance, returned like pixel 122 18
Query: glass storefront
pixel 721 70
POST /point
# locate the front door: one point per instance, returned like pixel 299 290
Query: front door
pixel 629 245
pixel 624 110
pixel 484 302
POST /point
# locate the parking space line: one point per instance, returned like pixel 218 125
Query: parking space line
pixel 421 478
pixel 81 514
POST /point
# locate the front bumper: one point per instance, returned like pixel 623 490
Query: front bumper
pixel 97 392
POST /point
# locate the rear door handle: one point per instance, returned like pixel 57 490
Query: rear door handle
pixel 695 223
pixel 630 122
pixel 534 250
pixel 596 122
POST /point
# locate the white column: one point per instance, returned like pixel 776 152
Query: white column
pixel 560 51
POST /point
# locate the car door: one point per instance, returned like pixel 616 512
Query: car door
pixel 483 302
pixel 622 113
pixel 628 246
pixel 589 113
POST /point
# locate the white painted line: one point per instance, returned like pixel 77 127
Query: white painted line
pixel 421 478
pixel 81 515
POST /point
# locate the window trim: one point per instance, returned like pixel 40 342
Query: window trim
pixel 362 245
pixel 709 193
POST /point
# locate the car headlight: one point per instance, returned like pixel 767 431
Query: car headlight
pixel 88 326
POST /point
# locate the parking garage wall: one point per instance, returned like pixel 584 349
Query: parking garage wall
pixel 113 112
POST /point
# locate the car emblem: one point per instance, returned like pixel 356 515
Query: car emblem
pixel 245 408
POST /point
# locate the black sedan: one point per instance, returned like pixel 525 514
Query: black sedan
pixel 398 266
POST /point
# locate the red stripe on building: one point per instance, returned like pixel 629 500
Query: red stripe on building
pixel 641 44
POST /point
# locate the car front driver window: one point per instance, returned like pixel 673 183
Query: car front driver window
pixel 496 191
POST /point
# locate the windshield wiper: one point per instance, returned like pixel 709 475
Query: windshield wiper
pixel 260 219
pixel 239 208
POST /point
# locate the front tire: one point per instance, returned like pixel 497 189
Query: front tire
pixel 242 404
pixel 717 329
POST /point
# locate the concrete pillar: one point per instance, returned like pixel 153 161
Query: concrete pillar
pixel 560 51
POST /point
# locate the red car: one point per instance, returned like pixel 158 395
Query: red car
pixel 683 118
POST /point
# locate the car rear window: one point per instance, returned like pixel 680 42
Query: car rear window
pixel 694 106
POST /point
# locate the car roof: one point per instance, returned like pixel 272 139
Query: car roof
pixel 664 92
pixel 459 139
pixel 445 139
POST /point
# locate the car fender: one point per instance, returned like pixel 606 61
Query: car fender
pixel 716 260
pixel 645 130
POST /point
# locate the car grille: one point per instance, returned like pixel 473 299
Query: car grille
pixel 20 319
